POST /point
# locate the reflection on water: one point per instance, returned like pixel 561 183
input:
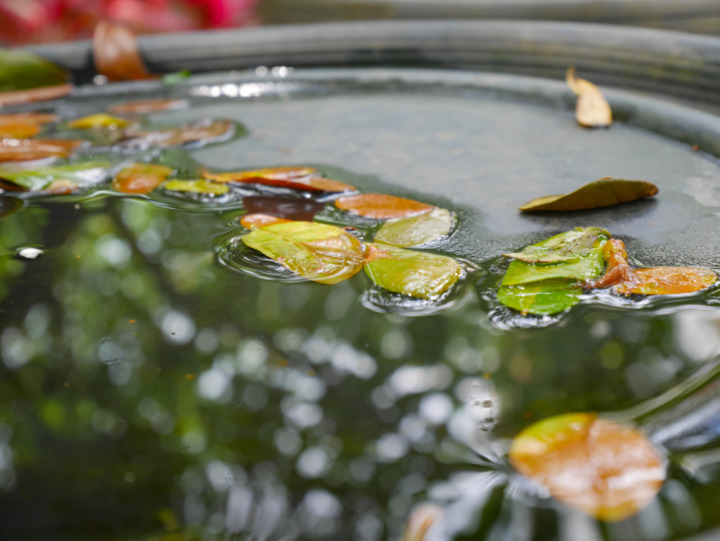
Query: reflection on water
pixel 147 389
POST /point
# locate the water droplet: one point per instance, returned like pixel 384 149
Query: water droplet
pixel 29 253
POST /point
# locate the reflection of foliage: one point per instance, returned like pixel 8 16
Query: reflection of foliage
pixel 146 388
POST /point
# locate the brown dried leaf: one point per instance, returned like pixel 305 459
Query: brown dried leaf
pixel 116 53
pixel 204 130
pixel 605 192
pixel 12 150
pixel 23 125
pixel 141 178
pixel 381 206
pixel 146 106
pixel 44 93
pixel 298 178
pixel 592 110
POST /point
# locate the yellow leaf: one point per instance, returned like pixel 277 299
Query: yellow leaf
pixel 592 110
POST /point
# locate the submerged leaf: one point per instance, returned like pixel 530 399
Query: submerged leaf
pixel 196 186
pixel 381 206
pixel 22 125
pixel 417 274
pixel 321 253
pixel 416 230
pixel 592 110
pixel 80 174
pixel 100 120
pixel 21 70
pixel 547 297
pixel 605 192
pixel 18 150
pixel 291 208
pixel 253 221
pixel 202 131
pixel 652 280
pixel 141 178
pixel 146 106
pixel 567 246
pixel 116 53
pixel 605 469
pixel 298 178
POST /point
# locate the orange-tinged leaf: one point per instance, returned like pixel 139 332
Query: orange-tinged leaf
pixel 592 110
pixel 605 192
pixel 298 178
pixel 62 187
pixel 252 221
pixel 381 206
pixel 140 178
pixel 667 281
pixel 143 107
pixel 605 469
pixel 204 131
pixel 22 125
pixel 43 93
pixel 35 149
pixel 116 53
pixel 100 120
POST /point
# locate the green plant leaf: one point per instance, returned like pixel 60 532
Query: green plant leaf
pixel 196 186
pixel 416 230
pixel 605 192
pixel 81 174
pixel 20 70
pixel 567 246
pixel 541 298
pixel 321 253
pixel 417 274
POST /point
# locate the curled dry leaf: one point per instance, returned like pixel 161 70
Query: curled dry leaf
pixel 23 125
pixel 44 93
pixel 416 274
pixel 16 150
pixel 196 186
pixel 116 53
pixel 416 230
pixel 146 106
pixel 322 253
pixel 140 178
pixel 253 221
pixel 592 110
pixel 652 280
pixel 605 192
pixel 100 120
pixel 381 206
pixel 297 178
pixel 605 469
pixel 200 131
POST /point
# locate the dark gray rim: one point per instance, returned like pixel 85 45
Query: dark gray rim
pixel 658 61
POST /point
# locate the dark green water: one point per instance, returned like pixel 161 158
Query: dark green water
pixel 149 392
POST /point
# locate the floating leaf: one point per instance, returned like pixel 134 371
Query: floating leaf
pixel 171 79
pixel 141 178
pixel 592 110
pixel 417 274
pixel 196 186
pixel 62 187
pixel 116 53
pixel 100 120
pixel 605 192
pixel 298 178
pixel 200 131
pixel 375 205
pixel 567 246
pixel 146 106
pixel 81 174
pixel 17 150
pixel 253 221
pixel 416 230
pixel 44 93
pixel 651 280
pixel 541 298
pixel 23 125
pixel 291 208
pixel 22 70
pixel 321 253
pixel 605 469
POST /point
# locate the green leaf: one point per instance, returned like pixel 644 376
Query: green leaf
pixel 568 246
pixel 585 268
pixel 321 253
pixel 196 186
pixel 416 230
pixel 605 192
pixel 171 79
pixel 541 298
pixel 38 179
pixel 20 70
pixel 417 274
